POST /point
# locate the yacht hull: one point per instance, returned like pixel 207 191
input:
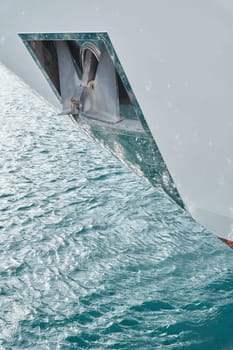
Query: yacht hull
pixel 177 57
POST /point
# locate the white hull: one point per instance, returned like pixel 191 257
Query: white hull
pixel 178 58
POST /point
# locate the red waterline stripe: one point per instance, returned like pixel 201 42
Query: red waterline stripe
pixel 227 241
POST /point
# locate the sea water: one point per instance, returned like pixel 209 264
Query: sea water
pixel 91 257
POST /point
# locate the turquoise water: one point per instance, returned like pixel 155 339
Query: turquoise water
pixel 90 256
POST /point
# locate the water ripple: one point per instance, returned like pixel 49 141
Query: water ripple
pixel 91 257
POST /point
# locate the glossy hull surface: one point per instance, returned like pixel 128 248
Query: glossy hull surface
pixel 178 59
